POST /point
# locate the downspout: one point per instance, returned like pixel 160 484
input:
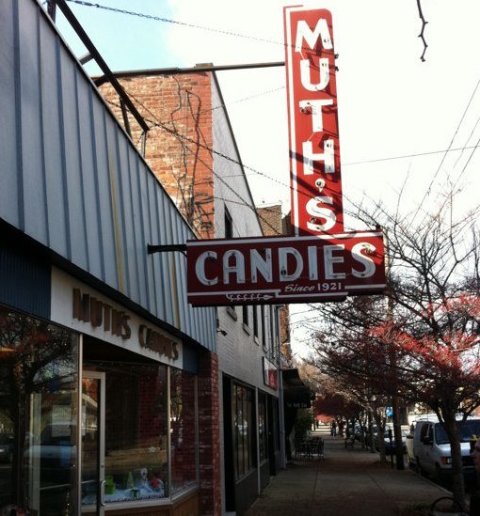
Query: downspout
pixel 281 408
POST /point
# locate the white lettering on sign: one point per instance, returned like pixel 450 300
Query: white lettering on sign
pixel 313 124
pixel 314 107
pixel 304 33
pixel 200 268
pixel 309 157
pixel 284 269
pixel 261 265
pixel 364 259
pixel 291 264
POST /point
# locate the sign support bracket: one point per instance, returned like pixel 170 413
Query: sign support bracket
pixel 151 248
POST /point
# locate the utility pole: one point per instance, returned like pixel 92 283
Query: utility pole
pixel 397 428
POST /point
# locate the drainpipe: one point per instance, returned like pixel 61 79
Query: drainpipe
pixel 281 408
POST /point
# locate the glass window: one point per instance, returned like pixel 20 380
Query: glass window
pixel 38 414
pixel 243 429
pixel 136 462
pixel 183 432
pixel 465 430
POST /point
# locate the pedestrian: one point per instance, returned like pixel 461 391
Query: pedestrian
pixel 333 429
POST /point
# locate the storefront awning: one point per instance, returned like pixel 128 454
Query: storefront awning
pixel 296 393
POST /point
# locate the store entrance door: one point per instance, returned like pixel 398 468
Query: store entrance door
pixel 93 443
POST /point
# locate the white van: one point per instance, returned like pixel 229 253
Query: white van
pixel 431 447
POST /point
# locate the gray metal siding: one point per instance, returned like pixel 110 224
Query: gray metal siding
pixel 71 179
pixel 9 182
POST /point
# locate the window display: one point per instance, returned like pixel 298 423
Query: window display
pixel 242 411
pixel 126 421
pixel 136 461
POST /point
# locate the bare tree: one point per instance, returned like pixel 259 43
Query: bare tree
pixel 428 320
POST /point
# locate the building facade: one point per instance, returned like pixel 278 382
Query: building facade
pixel 116 396
pixel 108 378
pixel 192 150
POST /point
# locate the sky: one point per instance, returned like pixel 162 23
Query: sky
pixel 404 123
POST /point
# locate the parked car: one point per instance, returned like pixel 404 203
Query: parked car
pixel 389 439
pixel 6 448
pixel 430 448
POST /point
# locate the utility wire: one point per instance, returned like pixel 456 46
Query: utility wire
pixel 236 34
pixel 244 99
pixel 175 22
pixel 405 156
pixel 447 150
pixel 156 123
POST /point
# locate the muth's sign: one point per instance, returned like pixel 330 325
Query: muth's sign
pixel 284 269
pixel 313 122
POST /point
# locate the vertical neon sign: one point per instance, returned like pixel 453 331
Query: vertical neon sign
pixel 313 122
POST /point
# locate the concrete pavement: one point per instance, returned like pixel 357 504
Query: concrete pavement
pixel 346 482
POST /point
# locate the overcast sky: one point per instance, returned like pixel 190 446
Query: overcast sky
pixel 398 116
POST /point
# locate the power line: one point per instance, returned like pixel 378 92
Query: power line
pixel 235 34
pixel 405 156
pixel 155 122
pixel 244 99
pixel 175 22
pixel 389 158
pixel 448 149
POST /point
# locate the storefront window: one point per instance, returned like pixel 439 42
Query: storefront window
pixel 38 413
pixel 136 466
pixel 243 429
pixel 183 429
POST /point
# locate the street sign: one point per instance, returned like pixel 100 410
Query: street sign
pixel 278 270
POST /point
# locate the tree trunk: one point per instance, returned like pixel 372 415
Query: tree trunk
pixel 458 483
pixel 380 436
pixel 397 433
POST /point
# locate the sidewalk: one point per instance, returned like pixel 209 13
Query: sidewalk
pixel 345 483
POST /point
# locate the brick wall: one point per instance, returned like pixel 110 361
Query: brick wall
pixel 178 110
pixel 209 448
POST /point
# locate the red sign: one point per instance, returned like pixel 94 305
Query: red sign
pixel 278 270
pixel 313 122
pixel 270 373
